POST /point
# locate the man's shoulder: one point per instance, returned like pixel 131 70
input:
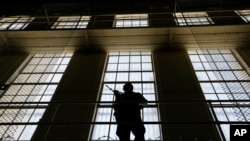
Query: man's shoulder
pixel 137 93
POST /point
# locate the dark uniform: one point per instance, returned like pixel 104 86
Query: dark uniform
pixel 128 115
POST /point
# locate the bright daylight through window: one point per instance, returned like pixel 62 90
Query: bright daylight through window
pixel 131 20
pixel 71 22
pixel 222 77
pixel 15 22
pixel 122 67
pixel 36 83
pixel 192 18
pixel 244 14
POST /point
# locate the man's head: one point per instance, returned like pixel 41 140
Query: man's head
pixel 128 87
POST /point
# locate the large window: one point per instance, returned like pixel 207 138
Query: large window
pixel 244 14
pixel 69 22
pixel 192 18
pixel 15 23
pixel 131 20
pixel 29 94
pixel 223 79
pixel 137 68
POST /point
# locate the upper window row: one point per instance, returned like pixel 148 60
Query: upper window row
pixel 122 20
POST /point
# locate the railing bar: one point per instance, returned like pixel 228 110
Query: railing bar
pixel 160 122
pixel 110 102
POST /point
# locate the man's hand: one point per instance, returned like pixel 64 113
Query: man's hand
pixel 116 92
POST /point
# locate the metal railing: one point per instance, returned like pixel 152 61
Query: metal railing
pixel 211 104
pixel 162 19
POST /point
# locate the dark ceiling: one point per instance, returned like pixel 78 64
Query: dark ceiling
pixel 99 6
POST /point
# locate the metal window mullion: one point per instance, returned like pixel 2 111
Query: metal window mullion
pixel 16 115
pixel 110 120
pixel 141 83
pixel 109 125
pixel 247 93
pixel 215 81
pixel 203 66
pixel 20 20
pixel 123 23
pixel 232 70
pixel 244 16
pixel 222 75
pixel 47 67
pixel 237 79
pixel 78 21
pixel 235 99
pixel 129 64
pixel 11 23
pixel 25 124
pixel 184 18
pixel 19 112
pixel 210 81
pixel 215 91
pixel 116 71
pixel 24 22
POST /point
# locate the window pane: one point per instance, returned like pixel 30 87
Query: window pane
pixel 67 22
pixel 123 59
pixel 123 67
pixel 112 67
pixel 31 85
pixel 122 77
pixel 135 67
pixel 131 20
pixel 147 76
pixel 146 66
pixel 192 18
pixel 15 22
pixel 135 76
pixel 226 80
pixel 202 76
pixel 110 77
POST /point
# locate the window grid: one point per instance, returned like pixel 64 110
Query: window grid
pixel 244 14
pixel 71 22
pixel 31 86
pixel 222 77
pixel 192 18
pixel 131 20
pixel 143 83
pixel 15 23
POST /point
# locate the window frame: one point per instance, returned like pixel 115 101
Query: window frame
pixel 131 20
pixel 15 22
pixel 106 97
pixel 71 22
pixel 30 93
pixel 192 18
pixel 225 82
pixel 244 14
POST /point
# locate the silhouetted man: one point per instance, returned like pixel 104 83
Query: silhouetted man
pixel 128 113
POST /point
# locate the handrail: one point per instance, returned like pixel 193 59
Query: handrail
pixel 211 105
pixel 98 102
pixel 165 17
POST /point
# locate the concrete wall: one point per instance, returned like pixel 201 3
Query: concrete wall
pixel 9 63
